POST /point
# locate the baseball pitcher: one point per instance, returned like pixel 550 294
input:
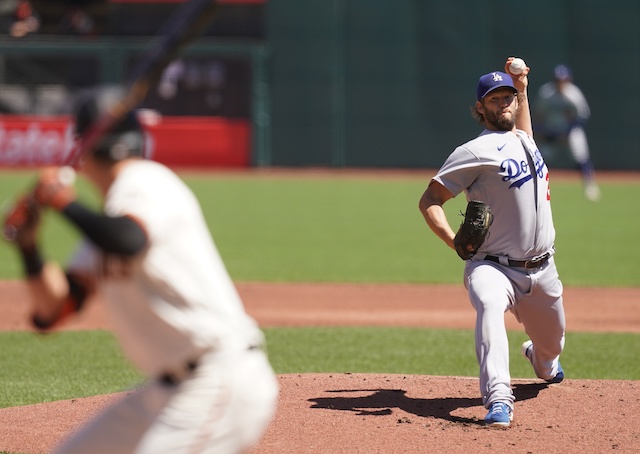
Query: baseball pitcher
pixel 506 240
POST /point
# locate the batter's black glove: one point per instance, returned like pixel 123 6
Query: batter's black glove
pixel 473 230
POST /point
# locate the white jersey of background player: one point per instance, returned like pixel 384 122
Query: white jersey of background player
pixel 514 268
pixel 173 306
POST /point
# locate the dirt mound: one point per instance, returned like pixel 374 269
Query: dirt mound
pixel 363 413
pixel 403 414
pixel 378 413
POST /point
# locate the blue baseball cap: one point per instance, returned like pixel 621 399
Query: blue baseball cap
pixel 493 81
pixel 562 72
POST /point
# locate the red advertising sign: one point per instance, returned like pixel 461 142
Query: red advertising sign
pixel 33 141
pixel 175 141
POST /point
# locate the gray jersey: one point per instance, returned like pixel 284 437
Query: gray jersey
pixel 494 168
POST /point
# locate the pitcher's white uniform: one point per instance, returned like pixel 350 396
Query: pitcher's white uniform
pixel 179 319
pixel 494 168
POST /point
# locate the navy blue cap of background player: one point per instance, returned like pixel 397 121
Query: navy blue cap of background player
pixel 562 72
pixel 493 81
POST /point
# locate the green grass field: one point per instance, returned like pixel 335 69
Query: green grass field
pixel 338 229
pixel 30 364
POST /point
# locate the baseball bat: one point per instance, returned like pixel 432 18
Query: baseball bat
pixel 185 24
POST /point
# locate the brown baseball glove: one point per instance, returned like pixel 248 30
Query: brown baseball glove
pixel 473 230
pixel 54 189
pixel 21 221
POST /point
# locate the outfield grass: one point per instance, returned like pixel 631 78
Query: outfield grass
pixel 30 366
pixel 302 229
pixel 337 230
pixel 397 350
pixel 354 230
pixel 30 369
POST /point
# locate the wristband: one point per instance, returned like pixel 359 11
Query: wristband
pixel 31 260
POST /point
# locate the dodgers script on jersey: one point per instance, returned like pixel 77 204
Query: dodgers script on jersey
pixel 178 301
pixel 494 168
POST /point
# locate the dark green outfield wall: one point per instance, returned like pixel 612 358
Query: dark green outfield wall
pixel 389 84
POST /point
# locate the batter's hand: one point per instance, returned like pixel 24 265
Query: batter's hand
pixel 55 188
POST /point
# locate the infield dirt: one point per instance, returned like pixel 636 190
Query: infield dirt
pixel 381 413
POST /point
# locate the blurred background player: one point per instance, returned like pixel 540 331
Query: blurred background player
pixel 173 307
pixel 560 116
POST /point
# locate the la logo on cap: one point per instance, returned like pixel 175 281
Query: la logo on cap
pixel 492 81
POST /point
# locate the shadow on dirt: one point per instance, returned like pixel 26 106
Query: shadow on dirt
pixel 382 402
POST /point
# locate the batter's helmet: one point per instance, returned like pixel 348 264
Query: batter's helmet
pixel 125 139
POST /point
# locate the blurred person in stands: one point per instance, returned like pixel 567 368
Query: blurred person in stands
pixel 17 18
pixel 72 17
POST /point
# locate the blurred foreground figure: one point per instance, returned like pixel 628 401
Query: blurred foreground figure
pixel 210 387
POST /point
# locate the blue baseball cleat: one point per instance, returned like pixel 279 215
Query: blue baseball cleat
pixel 527 351
pixel 500 415
pixel 559 376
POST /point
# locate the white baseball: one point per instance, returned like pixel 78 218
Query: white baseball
pixel 66 175
pixel 517 66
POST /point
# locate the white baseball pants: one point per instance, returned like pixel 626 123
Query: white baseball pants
pixel 223 407
pixel 535 298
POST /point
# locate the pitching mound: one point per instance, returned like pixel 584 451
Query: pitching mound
pixel 380 413
pixel 366 413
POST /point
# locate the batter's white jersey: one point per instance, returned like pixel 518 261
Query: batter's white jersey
pixel 175 300
pixel 494 168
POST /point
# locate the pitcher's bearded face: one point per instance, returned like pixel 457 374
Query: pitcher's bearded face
pixel 502 121
pixel 499 109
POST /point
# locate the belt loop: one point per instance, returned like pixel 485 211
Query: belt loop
pixel 503 260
